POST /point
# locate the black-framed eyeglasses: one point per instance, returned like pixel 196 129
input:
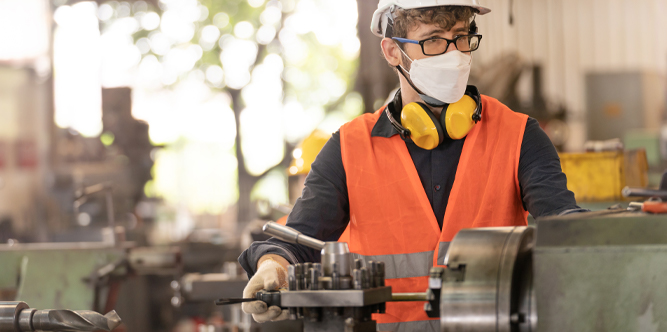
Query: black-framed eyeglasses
pixel 438 45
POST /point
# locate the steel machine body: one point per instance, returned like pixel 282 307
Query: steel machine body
pixel 596 271
pixel 569 274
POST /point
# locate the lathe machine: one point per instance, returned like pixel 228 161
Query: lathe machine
pixel 597 271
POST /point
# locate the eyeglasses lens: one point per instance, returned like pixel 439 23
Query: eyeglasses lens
pixel 473 42
pixel 435 46
pixel 463 43
pixel 438 46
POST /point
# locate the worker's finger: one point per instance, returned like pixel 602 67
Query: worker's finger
pixel 255 307
pixel 283 315
pixel 272 313
pixel 254 285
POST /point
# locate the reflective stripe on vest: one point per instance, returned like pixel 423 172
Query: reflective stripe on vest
pixel 420 325
pixel 442 252
pixel 407 265
pixel 402 265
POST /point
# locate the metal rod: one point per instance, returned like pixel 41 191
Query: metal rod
pixel 641 192
pixel 409 297
pixel 87 191
pixel 9 315
pixel 291 235
pixel 19 317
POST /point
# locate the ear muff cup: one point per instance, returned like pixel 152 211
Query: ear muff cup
pixel 457 118
pixel 425 130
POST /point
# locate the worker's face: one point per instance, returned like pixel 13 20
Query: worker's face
pixel 419 32
pixel 425 31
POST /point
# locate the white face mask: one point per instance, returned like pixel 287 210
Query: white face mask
pixel 443 77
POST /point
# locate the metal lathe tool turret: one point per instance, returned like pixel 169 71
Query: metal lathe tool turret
pixel 340 294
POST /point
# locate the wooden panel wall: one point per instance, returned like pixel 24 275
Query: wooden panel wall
pixel 573 37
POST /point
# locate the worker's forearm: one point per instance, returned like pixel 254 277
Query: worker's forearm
pixel 543 185
pixel 280 260
pixel 250 258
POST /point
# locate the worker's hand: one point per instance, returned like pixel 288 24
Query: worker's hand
pixel 270 275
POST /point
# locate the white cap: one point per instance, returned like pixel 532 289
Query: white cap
pixel 379 22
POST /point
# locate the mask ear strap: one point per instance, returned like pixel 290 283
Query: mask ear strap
pixel 430 101
pixel 400 70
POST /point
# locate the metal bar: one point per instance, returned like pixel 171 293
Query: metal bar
pixel 641 192
pixel 18 317
pixel 291 235
pixel 111 218
pixel 9 315
pixel 406 297
pixel 87 191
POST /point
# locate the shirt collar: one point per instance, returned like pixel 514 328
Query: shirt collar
pixel 383 127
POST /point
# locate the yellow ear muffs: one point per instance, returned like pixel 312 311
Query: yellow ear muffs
pixel 425 130
pixel 457 118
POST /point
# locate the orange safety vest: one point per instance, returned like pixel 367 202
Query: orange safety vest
pixel 391 219
pixel 282 220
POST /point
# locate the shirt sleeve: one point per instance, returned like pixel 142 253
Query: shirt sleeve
pixel 321 212
pixel 543 184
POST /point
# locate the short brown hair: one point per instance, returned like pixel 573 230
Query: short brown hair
pixel 442 16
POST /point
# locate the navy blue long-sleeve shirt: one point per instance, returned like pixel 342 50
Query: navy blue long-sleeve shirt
pixel 322 211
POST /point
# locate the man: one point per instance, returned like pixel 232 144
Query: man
pixel 405 179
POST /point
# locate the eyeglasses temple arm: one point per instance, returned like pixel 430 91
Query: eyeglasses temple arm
pixel 405 40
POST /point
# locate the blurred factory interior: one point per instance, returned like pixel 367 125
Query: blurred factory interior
pixel 144 143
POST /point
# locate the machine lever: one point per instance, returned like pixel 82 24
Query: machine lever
pixel 291 235
pixel 641 192
pixel 232 301
pixel 272 298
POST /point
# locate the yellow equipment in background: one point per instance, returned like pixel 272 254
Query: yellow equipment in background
pixel 305 153
pixel 600 176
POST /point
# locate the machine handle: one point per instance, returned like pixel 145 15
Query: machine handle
pixel 654 207
pixel 409 297
pixel 641 192
pixel 271 298
pixel 291 235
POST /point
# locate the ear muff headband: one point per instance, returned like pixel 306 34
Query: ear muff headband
pixel 425 130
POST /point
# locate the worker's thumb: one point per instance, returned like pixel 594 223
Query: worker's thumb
pixel 273 274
